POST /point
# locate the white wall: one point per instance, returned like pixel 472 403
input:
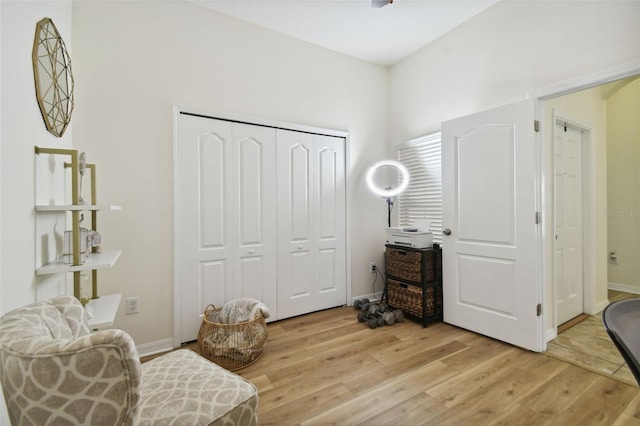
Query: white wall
pixel 134 60
pixel 21 128
pixel 507 52
pixel 623 156
pixel 25 178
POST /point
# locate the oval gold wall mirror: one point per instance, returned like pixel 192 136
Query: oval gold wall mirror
pixel 53 77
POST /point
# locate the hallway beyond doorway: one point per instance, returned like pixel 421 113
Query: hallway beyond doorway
pixel 587 345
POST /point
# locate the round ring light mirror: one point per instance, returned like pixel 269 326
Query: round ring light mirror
pixel 382 167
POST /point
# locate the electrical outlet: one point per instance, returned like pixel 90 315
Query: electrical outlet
pixel 372 267
pixel 133 305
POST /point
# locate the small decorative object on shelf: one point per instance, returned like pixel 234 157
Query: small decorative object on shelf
pixel 82 246
pixel 414 281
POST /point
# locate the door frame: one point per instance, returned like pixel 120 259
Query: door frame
pixel 177 196
pixel 597 78
pixel 588 209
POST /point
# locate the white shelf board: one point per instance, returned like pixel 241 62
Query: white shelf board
pixel 104 310
pixel 77 207
pixel 103 260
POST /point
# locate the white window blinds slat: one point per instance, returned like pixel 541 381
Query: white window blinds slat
pixel 423 197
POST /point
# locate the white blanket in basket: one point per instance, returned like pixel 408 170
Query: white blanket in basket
pixel 242 310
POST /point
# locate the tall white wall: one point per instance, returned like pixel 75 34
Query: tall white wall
pixel 21 174
pixel 510 50
pixel 504 54
pixel 134 60
pixel 27 240
pixel 623 155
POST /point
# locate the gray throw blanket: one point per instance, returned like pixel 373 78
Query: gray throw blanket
pixel 242 310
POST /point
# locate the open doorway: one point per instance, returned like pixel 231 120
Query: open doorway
pixel 605 117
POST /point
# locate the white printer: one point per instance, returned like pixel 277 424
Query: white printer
pixel 418 236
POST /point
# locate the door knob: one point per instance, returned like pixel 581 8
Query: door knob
pixel 447 231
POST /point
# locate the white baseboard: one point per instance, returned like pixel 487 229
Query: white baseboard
pixel 627 288
pixel 599 307
pixel 152 348
pixel 372 297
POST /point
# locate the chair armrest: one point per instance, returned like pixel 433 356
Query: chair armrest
pixel 93 379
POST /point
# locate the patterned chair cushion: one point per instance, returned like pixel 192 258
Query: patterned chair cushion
pixel 183 388
pixel 54 371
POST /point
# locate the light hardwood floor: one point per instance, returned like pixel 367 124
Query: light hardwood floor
pixel 587 345
pixel 327 368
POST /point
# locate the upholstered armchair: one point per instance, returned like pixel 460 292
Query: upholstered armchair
pixel 55 371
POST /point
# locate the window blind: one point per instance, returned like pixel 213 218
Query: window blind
pixel 423 197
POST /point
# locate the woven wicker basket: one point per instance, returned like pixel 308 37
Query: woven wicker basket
pixel 408 265
pixel 232 346
pixel 408 298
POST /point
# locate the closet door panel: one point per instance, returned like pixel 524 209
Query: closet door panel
pixel 212 274
pixel 204 155
pixel 254 160
pixel 296 268
pixel 329 205
pixel 261 214
pixel 211 180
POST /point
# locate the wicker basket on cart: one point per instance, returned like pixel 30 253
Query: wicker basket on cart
pixel 232 346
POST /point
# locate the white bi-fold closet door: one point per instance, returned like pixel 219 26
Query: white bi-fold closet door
pixel 311 222
pixel 260 212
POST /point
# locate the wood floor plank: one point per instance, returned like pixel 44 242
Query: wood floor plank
pixel 502 393
pixel 477 379
pixel 368 380
pixel 632 410
pixel 326 368
pixel 485 404
pixel 382 398
pixel 412 411
pixel 561 391
pixel 521 415
pixel 296 410
pixel 307 378
pixel 423 340
pixel 600 404
pixel 480 349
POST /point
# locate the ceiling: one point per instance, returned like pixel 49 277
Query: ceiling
pixel 382 36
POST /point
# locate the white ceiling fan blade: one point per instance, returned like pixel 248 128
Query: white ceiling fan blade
pixel 380 3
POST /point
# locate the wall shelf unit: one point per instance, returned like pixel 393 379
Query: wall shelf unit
pixel 104 311
pixel 94 258
pixel 81 207
pixel 103 260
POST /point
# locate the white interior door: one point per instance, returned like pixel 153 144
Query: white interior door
pixel 491 277
pixel 311 222
pixel 226 244
pixel 568 222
